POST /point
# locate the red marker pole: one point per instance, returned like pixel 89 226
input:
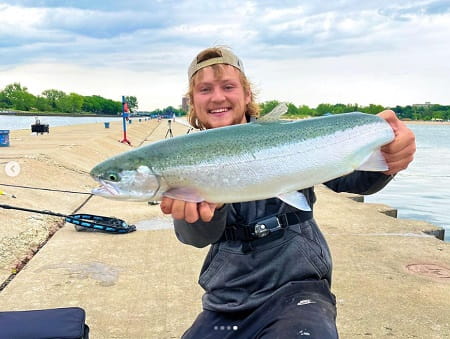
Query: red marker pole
pixel 125 114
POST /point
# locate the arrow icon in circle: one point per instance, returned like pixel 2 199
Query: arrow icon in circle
pixel 12 169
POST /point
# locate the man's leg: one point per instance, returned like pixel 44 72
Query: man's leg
pixel 214 325
pixel 300 309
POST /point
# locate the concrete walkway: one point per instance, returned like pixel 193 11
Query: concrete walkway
pixel 390 279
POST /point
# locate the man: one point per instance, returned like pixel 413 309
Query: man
pixel 254 286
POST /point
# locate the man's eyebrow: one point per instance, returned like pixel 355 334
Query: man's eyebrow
pixel 223 80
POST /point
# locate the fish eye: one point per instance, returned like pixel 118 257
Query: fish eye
pixel 112 176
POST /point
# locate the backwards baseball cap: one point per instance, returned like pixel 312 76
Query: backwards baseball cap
pixel 213 56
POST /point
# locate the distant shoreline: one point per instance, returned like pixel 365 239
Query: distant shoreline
pixel 62 115
pixel 413 122
pixel 423 122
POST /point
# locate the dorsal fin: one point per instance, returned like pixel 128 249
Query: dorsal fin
pixel 274 114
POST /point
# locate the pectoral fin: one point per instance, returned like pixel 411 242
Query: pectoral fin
pixel 296 199
pixel 375 162
pixel 183 193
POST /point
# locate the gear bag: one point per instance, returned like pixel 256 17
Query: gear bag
pixel 68 323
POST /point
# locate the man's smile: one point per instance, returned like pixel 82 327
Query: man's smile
pixel 219 110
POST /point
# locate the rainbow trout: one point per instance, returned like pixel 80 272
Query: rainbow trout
pixel 259 160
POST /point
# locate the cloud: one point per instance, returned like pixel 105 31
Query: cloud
pixel 416 9
pixel 159 38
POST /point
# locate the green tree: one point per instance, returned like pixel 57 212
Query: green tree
pixel 71 103
pixel 111 107
pixel 18 97
pixel 42 104
pixel 339 108
pixel 323 109
pixel 53 97
pixel 373 109
pixel 132 103
pixel 4 101
pixel 304 110
pixel 292 110
pixel 92 104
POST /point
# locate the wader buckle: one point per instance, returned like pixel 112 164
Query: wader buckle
pixel 266 226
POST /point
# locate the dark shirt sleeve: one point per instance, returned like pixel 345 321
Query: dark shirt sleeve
pixel 360 182
pixel 201 234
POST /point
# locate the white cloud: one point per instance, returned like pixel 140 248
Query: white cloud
pixel 153 89
pixel 344 51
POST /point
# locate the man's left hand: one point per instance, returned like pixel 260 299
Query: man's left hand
pixel 400 152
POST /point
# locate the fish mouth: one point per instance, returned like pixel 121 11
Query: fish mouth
pixel 106 189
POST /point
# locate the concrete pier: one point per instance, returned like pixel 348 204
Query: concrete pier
pixel 391 277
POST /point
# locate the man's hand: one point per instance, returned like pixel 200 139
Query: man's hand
pixel 400 152
pixel 189 211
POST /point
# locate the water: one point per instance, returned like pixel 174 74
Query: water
pixel 14 122
pixel 422 192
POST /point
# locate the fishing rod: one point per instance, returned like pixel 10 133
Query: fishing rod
pixel 43 189
pixel 96 222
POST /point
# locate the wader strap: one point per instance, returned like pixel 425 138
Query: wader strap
pixel 264 227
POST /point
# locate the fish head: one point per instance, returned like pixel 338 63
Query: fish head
pixel 122 180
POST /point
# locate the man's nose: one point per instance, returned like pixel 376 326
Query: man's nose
pixel 218 95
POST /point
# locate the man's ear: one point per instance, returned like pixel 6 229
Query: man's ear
pixel 248 98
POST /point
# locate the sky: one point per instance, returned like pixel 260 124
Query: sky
pixel 305 52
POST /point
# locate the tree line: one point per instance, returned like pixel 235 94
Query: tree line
pixel 15 96
pixel 411 112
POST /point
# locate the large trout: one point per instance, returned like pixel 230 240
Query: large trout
pixel 248 162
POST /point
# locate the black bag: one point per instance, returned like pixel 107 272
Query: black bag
pixel 61 323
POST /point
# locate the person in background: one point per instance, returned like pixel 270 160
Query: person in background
pixel 276 286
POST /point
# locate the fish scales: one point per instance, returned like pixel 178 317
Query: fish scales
pixel 242 139
pixel 257 160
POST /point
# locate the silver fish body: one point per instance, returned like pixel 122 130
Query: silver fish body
pixel 247 162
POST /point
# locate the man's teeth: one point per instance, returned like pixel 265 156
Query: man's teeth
pixel 219 110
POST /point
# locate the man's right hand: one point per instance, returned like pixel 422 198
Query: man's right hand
pixel 189 211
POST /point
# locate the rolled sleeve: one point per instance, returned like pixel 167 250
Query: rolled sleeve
pixel 200 233
pixel 360 182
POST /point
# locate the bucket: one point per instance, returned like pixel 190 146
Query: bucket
pixel 4 137
pixel 106 124
pixel 130 121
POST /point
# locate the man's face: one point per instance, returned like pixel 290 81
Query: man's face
pixel 219 102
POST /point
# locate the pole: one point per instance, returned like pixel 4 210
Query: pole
pixel 125 115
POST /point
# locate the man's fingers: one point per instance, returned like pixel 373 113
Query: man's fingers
pixel 406 153
pixel 166 205
pixel 404 142
pixel 390 117
pixel 178 209
pixel 400 152
pixel 191 213
pixel 206 211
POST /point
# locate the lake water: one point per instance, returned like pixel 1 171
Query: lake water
pixel 421 192
pixel 13 122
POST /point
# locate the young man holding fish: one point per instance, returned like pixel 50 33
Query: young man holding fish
pixel 268 272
